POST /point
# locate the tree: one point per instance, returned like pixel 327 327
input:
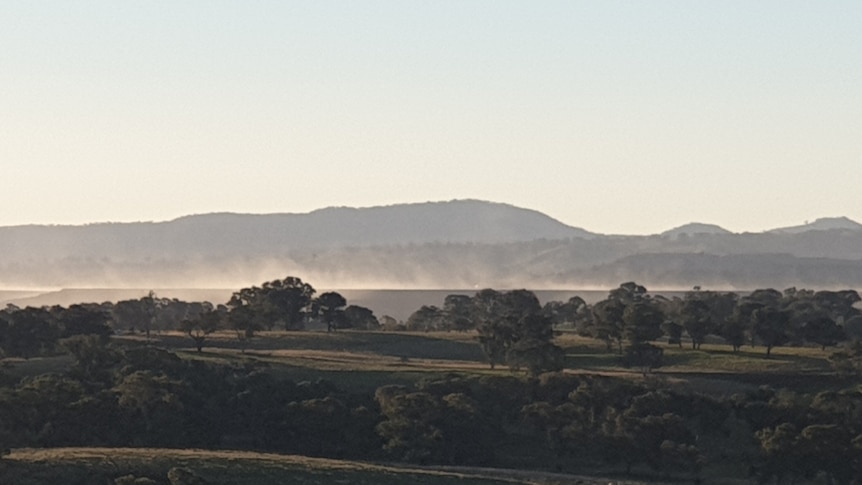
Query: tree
pixel 83 320
pixel 331 307
pixel 276 301
pixel 131 315
pixel 826 448
pixel 849 360
pixel 663 441
pixel 608 322
pixel 359 317
pixel 457 310
pixel 671 327
pixel 772 327
pixel 410 430
pixel 734 331
pixel 839 305
pixel 644 356
pixel 199 328
pixel 151 305
pixel 737 328
pixel 570 312
pixel 628 313
pixel 696 320
pixel 424 428
pixel 705 312
pixel 425 319
pixel 512 329
pixel 94 358
pixel 642 321
pixel 245 323
pixel 532 347
pixel 779 452
pixel 823 331
pixel 30 332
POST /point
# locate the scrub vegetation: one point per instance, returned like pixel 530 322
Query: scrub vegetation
pixel 282 385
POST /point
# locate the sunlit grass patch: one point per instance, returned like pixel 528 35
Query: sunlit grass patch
pixel 19 368
pixel 101 465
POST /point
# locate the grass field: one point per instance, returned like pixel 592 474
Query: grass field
pixel 363 361
pixel 366 360
pixel 71 466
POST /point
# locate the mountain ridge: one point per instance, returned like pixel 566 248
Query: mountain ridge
pixel 460 243
pixel 822 224
pixel 567 230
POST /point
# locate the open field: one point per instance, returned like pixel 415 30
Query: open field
pixel 362 360
pixel 222 467
pixel 98 465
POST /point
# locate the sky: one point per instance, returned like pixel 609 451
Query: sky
pixel 625 117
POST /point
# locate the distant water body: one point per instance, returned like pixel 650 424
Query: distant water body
pixel 399 304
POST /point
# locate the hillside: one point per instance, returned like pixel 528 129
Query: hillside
pixel 694 228
pixel 822 224
pixel 104 465
pixel 459 221
pixel 456 244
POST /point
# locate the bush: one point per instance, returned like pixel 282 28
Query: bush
pixel 643 355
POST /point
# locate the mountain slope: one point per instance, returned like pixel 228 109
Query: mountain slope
pixel 454 221
pixel 225 234
pixel 465 244
pixel 821 224
pixel 695 228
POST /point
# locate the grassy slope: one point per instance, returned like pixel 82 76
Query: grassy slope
pixel 366 360
pixel 96 465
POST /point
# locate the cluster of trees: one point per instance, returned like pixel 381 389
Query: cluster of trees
pixel 289 303
pixel 764 317
pixel 144 396
pixel 29 332
pixel 513 328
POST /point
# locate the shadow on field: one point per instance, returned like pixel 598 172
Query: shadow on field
pixel 752 360
pixel 401 345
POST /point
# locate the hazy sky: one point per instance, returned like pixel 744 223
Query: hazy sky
pixel 619 117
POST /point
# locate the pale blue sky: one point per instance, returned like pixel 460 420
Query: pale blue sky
pixel 619 117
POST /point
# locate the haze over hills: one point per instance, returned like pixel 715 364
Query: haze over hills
pixel 455 244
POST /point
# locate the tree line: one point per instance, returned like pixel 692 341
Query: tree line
pixel 289 304
pixel 629 320
pixel 513 327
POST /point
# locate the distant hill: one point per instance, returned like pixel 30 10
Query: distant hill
pixel 735 271
pixel 455 244
pixel 695 228
pixel 458 221
pixel 822 224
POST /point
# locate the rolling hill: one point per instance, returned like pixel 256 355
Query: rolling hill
pixel 455 244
